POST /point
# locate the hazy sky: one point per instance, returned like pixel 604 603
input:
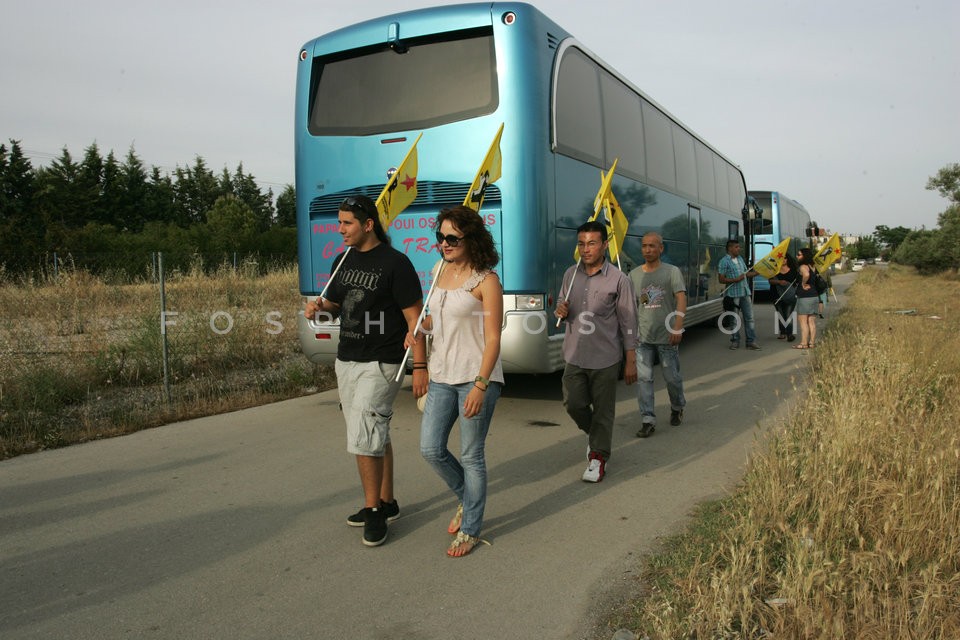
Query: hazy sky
pixel 845 106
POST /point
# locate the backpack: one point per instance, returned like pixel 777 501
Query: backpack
pixel 818 282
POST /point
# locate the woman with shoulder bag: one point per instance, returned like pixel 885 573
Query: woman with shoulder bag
pixel 808 301
pixel 784 287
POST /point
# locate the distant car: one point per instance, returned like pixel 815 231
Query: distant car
pixel 858 265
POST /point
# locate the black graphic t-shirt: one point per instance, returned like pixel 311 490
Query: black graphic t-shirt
pixel 372 288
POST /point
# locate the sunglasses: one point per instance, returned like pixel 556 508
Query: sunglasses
pixel 351 203
pixel 451 240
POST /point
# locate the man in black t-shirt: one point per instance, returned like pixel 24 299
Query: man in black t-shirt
pixel 376 293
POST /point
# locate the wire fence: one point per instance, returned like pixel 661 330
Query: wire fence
pixel 73 341
pixel 126 267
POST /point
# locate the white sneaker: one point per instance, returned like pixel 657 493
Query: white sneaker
pixel 595 469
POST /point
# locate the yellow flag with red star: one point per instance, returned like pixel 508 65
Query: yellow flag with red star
pixel 401 188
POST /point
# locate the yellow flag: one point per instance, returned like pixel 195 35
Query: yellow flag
pixel 602 196
pixel 401 188
pixel 828 253
pixel 488 174
pixel 769 265
pixel 617 224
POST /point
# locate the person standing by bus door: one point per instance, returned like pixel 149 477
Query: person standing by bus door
pixel 662 305
pixel 600 311
pixel 733 272
pixel 377 296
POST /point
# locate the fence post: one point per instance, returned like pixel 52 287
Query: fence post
pixel 163 327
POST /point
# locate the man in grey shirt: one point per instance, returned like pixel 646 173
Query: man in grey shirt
pixel 601 320
pixel 662 300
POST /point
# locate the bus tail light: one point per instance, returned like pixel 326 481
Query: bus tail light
pixel 532 302
pixel 509 18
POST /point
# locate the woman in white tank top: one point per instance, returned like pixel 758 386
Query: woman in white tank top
pixel 466 377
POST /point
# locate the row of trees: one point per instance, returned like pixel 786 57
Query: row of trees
pixel 935 250
pixel 929 250
pixel 98 206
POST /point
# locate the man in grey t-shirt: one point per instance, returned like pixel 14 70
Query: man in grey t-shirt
pixel 661 306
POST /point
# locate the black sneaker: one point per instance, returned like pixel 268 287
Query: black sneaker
pixel 646 430
pixel 676 417
pixel 391 509
pixel 374 527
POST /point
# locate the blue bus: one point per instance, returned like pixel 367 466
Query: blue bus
pixel 454 74
pixel 778 217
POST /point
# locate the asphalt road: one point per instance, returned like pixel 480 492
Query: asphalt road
pixel 233 526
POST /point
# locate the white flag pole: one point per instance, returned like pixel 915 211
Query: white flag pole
pixel 334 274
pixel 566 298
pixel 423 313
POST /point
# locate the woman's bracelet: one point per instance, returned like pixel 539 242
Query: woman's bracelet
pixel 479 387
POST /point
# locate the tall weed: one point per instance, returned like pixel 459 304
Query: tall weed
pixel 82 358
pixel 847 523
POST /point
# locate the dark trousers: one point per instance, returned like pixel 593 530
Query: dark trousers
pixel 784 326
pixel 590 398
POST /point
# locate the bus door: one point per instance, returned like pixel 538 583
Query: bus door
pixel 698 259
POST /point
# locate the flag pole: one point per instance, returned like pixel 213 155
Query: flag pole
pixel 566 298
pixel 423 313
pixel 334 274
pixel 782 294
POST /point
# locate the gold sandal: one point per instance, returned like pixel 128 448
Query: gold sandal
pixel 455 523
pixel 463 544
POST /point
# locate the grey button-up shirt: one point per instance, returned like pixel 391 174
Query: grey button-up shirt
pixel 602 321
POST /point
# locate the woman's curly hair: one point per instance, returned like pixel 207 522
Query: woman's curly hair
pixel 477 238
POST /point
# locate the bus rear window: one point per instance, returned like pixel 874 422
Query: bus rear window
pixel 377 90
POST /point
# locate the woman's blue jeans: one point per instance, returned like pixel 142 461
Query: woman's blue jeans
pixel 466 477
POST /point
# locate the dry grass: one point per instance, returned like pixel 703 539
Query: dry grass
pixel 82 359
pixel 847 524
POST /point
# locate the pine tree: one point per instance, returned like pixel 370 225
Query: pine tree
pixel 21 229
pixel 287 207
pixel 245 188
pixel 89 186
pixel 134 199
